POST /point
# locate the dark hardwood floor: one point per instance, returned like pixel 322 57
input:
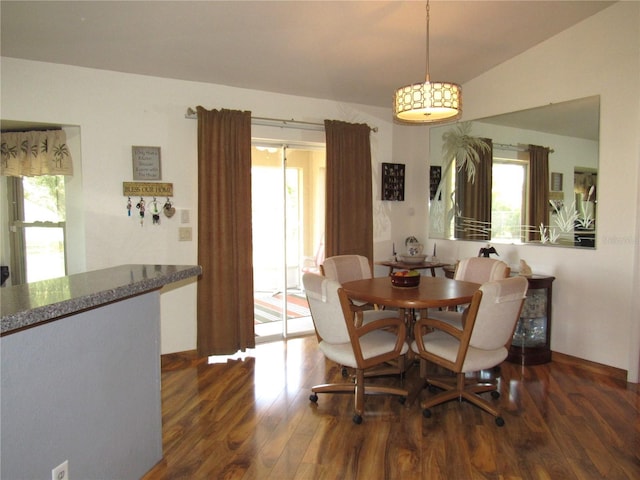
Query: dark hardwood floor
pixel 252 419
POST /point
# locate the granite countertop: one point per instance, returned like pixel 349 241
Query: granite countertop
pixel 23 306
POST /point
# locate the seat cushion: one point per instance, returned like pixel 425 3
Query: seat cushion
pixel 445 346
pixel 372 344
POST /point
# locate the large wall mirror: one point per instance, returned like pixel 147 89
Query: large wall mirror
pixel 522 177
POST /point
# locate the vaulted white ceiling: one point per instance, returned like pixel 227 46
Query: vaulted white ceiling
pixel 351 51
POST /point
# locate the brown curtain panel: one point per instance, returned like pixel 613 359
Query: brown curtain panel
pixel 473 199
pixel 349 208
pixel 538 190
pixel 225 289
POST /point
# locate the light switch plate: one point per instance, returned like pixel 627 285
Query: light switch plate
pixel 185 216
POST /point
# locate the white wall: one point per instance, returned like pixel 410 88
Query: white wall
pixel 115 111
pixel 594 291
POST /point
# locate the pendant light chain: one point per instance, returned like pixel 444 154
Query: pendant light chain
pixel 427 79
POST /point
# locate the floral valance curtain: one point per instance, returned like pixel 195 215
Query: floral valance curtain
pixel 29 154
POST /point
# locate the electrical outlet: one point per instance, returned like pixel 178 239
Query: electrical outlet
pixel 184 234
pixel 61 472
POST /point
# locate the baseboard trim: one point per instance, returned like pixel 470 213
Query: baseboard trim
pixel 189 358
pixel 594 367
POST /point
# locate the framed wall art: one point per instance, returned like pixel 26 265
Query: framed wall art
pixel 556 182
pixel 393 181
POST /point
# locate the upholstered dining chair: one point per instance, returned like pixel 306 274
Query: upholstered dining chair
pixel 477 270
pixel 346 268
pixel 483 343
pixel 341 340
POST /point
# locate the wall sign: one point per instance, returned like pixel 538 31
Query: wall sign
pixel 141 189
pixel 146 163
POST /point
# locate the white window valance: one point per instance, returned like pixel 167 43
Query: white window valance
pixel 29 154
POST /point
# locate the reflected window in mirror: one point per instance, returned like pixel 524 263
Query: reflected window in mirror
pixel 508 202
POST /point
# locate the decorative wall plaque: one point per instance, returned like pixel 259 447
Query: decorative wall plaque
pixel 146 163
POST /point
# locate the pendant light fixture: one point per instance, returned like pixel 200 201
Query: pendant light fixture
pixel 428 102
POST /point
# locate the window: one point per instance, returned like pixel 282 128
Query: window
pixel 37 224
pixel 508 199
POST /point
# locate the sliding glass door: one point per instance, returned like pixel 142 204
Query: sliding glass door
pixel 288 219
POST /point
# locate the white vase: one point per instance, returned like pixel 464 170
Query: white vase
pixel 414 249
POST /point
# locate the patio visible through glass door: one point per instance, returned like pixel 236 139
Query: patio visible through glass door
pixel 288 219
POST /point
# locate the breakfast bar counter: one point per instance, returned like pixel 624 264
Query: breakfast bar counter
pixel 24 306
pixel 80 376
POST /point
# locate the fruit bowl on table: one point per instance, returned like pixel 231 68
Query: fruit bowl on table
pixel 405 279
pixel 412 258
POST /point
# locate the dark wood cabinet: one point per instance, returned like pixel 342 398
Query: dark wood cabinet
pixel 531 343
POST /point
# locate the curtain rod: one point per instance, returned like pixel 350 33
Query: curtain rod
pixel 517 148
pixel 275 122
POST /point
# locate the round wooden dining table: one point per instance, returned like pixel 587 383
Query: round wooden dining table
pixel 433 292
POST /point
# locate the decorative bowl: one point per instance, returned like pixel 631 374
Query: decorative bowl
pixel 403 280
pixel 413 258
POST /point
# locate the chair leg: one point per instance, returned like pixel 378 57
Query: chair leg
pixel 334 388
pixel 480 402
pixel 359 396
pixel 395 367
pixel 359 389
pixel 441 397
pixel 423 368
pixel 461 390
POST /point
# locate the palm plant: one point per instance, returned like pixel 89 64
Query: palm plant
pixel 459 145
